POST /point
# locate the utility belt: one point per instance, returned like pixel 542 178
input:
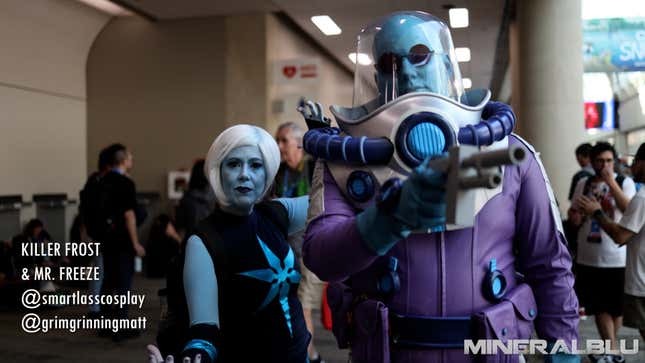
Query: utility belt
pixel 371 330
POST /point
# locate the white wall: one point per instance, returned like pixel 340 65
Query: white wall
pixel 160 89
pixel 42 94
pixel 333 87
pixel 632 112
pixel 167 89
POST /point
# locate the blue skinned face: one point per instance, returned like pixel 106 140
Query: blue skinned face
pixel 243 178
pixel 403 40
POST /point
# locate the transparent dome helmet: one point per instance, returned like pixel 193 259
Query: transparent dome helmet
pixel 405 52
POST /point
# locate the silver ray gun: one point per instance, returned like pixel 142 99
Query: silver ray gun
pixel 471 178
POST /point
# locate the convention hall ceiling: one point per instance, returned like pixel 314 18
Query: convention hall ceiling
pixel 481 35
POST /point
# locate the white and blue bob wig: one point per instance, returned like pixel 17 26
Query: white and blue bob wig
pixel 231 138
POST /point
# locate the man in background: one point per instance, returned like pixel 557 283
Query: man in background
pixel 601 263
pixel 89 207
pixel 631 231
pixel 574 216
pixel 121 242
pixel 294 180
pixel 583 157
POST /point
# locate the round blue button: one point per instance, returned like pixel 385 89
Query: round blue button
pixel 531 313
pixel 426 139
pixel 497 286
pixel 358 187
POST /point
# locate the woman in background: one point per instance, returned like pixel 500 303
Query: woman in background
pixel 198 201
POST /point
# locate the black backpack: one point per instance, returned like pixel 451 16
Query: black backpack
pixel 576 178
pixel 94 208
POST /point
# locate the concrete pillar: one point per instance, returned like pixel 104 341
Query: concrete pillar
pixel 550 92
pixel 247 76
pixel 514 58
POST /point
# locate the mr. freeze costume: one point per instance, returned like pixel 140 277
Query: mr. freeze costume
pixel 408 295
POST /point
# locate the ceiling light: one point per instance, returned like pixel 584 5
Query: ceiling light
pixel 458 17
pixel 467 83
pixel 363 59
pixel 107 6
pixel 326 25
pixel 602 9
pixel 463 54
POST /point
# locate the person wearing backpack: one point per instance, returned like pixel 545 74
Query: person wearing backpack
pixel 120 240
pixel 89 216
pixel 572 223
pixel 584 160
pixel 601 262
pixel 629 231
pixel 294 180
pixel 240 276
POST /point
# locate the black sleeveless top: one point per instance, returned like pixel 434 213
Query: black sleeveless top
pixel 257 275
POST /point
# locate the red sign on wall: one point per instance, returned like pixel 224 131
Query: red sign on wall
pixel 296 70
pixel 308 70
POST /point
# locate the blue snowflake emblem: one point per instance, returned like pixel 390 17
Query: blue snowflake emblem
pixel 279 274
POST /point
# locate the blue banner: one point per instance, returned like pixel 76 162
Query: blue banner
pixel 614 45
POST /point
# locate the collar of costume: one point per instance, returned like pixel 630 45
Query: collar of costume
pixel 410 128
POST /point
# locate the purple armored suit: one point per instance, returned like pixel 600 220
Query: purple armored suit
pixel 443 275
pixel 422 267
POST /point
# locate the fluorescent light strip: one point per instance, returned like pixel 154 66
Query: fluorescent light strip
pixel 458 17
pixel 326 25
pixel 363 59
pixel 463 54
pixel 467 83
pixel 107 6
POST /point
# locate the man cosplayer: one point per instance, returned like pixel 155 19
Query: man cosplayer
pixel 407 287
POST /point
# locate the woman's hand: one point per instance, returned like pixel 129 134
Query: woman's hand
pixel 154 356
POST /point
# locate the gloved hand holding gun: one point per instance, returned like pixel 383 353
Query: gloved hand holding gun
pixel 438 192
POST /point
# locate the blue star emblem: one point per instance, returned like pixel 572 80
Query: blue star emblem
pixel 279 274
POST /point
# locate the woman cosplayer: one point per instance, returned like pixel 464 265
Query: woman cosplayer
pixel 240 276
